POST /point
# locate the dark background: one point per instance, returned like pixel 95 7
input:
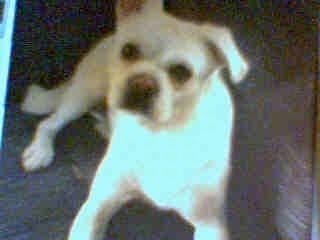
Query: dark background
pixel 270 190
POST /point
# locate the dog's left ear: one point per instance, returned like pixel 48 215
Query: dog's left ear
pixel 225 49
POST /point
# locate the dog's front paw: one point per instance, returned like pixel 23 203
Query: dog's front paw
pixel 39 154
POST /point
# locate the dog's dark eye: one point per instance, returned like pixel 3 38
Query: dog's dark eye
pixel 130 52
pixel 179 73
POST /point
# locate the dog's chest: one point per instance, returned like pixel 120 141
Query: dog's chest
pixel 168 162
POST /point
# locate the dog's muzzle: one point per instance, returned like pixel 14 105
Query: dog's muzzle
pixel 140 93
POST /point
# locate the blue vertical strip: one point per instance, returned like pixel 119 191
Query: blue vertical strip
pixel 6 30
pixel 316 199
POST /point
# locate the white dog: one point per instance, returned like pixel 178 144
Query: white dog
pixel 171 118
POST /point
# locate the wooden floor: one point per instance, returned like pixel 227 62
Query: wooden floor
pixel 270 187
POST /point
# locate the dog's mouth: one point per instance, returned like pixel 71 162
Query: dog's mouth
pixel 140 93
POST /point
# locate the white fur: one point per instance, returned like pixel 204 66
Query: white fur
pixel 177 155
pixel 168 168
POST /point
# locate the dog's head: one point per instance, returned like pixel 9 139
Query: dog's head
pixel 159 65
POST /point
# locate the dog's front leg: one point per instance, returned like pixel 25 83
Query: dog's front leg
pixel 208 224
pixel 75 101
pixel 203 206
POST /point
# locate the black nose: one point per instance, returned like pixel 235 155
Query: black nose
pixel 140 92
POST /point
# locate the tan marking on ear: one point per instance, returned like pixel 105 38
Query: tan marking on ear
pixel 216 53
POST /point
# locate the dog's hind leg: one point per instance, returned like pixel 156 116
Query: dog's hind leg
pixel 75 101
pixel 41 101
pixel 204 208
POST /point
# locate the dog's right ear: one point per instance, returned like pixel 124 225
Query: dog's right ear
pixel 126 8
pixel 221 39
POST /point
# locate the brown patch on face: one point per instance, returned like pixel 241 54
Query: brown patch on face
pixel 179 74
pixel 130 52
